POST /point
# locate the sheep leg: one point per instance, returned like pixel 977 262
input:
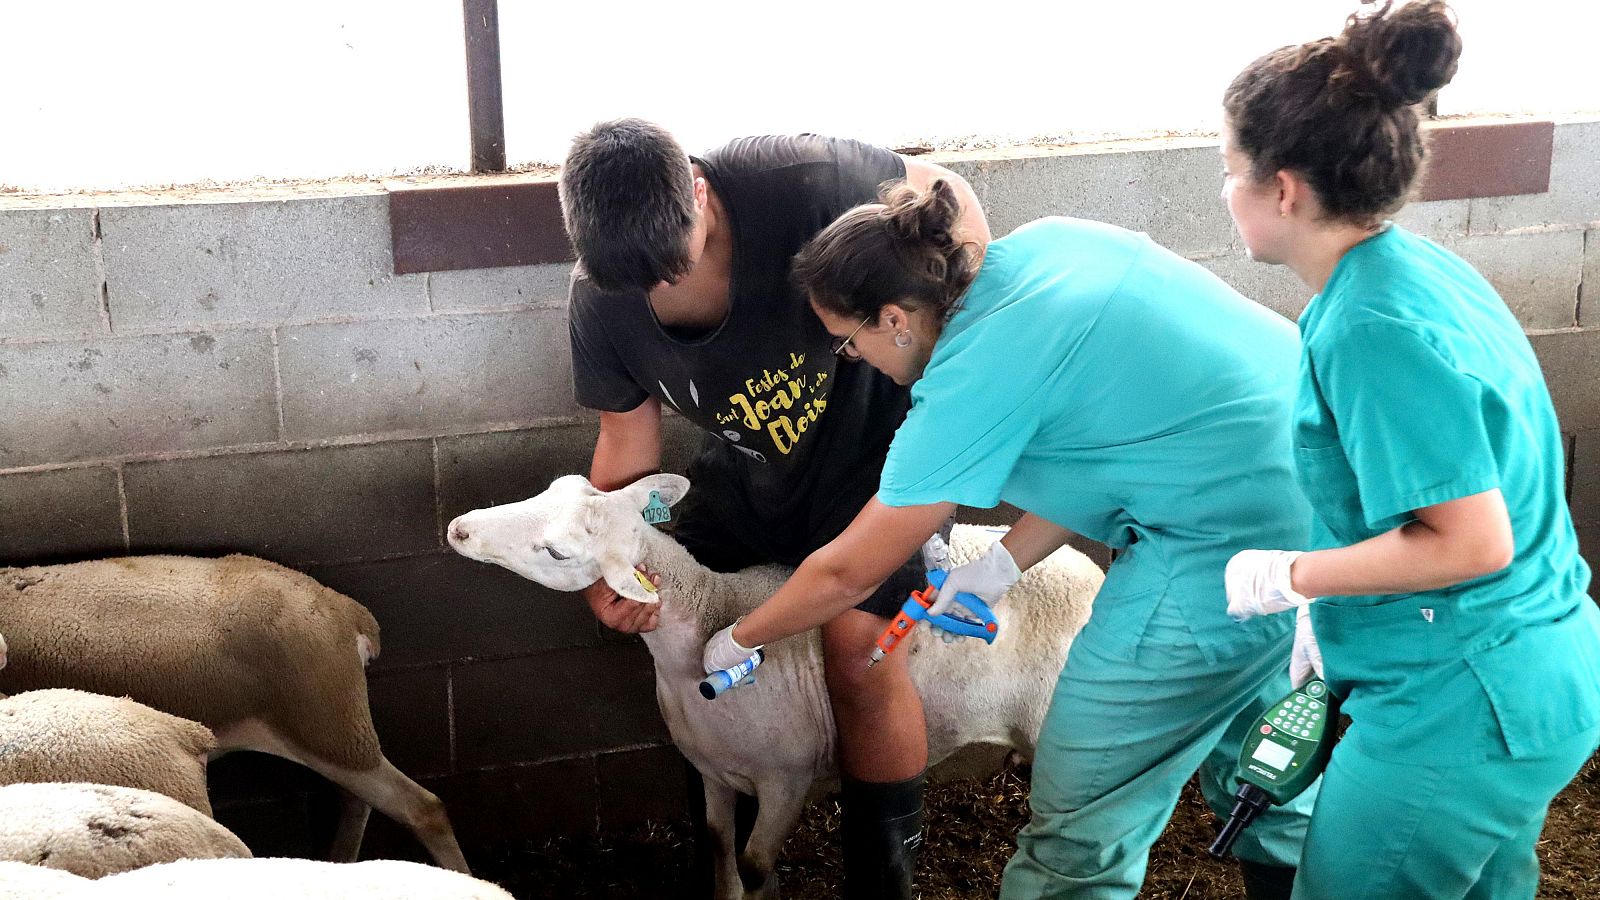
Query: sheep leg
pixel 382 787
pixel 780 805
pixel 720 800
pixel 353 812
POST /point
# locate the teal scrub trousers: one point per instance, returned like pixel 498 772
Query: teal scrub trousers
pixel 1131 720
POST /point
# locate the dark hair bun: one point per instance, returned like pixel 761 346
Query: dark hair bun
pixel 1403 54
pixel 923 218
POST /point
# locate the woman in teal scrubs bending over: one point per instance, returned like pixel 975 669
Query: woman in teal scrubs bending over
pixel 1450 598
pixel 1107 386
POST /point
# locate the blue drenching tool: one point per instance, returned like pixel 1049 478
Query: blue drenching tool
pixel 915 610
pixel 720 682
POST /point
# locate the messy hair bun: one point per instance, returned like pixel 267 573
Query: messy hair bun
pixel 1340 111
pixel 904 250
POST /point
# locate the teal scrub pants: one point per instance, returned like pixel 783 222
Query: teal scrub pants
pixel 1396 830
pixel 1128 725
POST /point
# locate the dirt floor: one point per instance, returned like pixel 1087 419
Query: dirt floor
pixel 972 824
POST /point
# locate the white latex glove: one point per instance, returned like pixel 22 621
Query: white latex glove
pixel 723 652
pixel 1305 660
pixel 1258 583
pixel 988 577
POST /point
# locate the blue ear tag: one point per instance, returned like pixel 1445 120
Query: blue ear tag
pixel 655 512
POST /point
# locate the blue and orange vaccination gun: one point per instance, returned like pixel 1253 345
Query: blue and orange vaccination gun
pixel 915 610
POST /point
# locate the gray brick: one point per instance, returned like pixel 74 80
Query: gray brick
pixel 1589 291
pixel 1170 193
pixel 48 516
pixel 479 470
pixel 77 400
pixel 295 507
pixel 606 698
pixel 1537 274
pixel 432 374
pixel 442 607
pixel 179 266
pixel 1275 287
pixel 1435 218
pixel 1574 195
pixel 1571 363
pixel 1585 462
pixel 490 288
pixel 48 284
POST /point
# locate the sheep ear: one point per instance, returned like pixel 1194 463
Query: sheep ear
pixel 624 578
pixel 670 488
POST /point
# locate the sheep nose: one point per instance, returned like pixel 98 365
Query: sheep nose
pixel 457 533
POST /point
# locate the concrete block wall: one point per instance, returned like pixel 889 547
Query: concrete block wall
pixel 245 372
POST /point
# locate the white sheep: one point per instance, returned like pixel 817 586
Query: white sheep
pixel 65 735
pixel 95 830
pixel 264 656
pixel 30 882
pixel 302 879
pixel 775 738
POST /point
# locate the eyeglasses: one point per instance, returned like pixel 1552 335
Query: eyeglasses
pixel 843 348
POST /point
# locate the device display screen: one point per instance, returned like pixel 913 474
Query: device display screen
pixel 1273 754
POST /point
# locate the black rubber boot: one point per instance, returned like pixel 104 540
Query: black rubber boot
pixel 881 826
pixel 1264 882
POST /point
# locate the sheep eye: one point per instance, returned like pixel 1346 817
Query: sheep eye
pixel 555 554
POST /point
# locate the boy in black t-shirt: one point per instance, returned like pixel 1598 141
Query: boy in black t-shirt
pixel 683 298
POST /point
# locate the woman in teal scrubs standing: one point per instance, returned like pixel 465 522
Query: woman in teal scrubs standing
pixel 1107 386
pixel 1451 609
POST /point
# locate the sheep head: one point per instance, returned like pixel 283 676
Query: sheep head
pixel 571 535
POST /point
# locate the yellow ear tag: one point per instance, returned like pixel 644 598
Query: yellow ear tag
pixel 643 581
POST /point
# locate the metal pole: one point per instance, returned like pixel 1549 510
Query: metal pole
pixel 485 110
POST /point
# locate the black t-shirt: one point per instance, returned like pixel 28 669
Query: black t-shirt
pixel 796 437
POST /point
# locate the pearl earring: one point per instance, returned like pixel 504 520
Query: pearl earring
pixel 902 339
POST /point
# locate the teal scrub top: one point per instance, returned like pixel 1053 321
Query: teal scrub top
pixel 1418 386
pixel 1106 384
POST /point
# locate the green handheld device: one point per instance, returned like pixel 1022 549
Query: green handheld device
pixel 1284 752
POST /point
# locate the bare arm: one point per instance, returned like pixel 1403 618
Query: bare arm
pixel 1447 544
pixel 1032 539
pixel 629 448
pixel 974 225
pixel 845 571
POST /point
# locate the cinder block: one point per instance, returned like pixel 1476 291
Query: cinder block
pixel 48 283
pixel 78 400
pixel 1275 287
pixel 491 288
pixel 442 607
pixel 511 807
pixel 197 264
pixel 434 374
pixel 52 516
pixel 479 470
pixel 503 708
pixel 1536 274
pixel 294 507
pixel 1589 291
pixel 1171 192
pixel 1574 195
pixel 1585 466
pixel 1435 218
pixel 1571 363
pixel 639 786
pixel 411 709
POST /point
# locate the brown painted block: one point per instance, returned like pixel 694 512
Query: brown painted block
pixel 1584 466
pixel 61 515
pixel 411 709
pixel 441 607
pixel 559 703
pixel 293 507
pixel 639 786
pixel 1496 159
pixel 512 221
